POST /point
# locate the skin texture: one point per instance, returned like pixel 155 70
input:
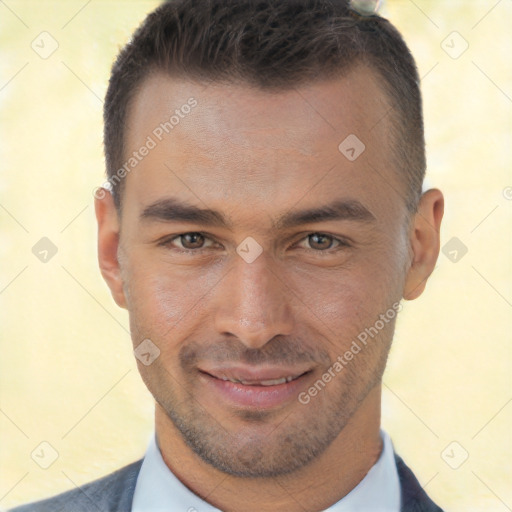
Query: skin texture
pixel 254 156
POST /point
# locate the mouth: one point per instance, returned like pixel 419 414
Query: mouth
pixel 266 382
pixel 254 387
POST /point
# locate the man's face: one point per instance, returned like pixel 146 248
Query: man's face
pixel 263 161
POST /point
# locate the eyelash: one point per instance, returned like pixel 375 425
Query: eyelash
pixel 341 243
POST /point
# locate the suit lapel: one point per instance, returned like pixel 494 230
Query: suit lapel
pixel 414 498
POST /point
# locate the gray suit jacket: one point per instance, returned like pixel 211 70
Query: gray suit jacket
pixel 114 493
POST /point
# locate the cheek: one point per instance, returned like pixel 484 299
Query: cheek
pixel 342 302
pixel 163 300
pixel 338 304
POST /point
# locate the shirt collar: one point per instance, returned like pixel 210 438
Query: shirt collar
pixel 159 490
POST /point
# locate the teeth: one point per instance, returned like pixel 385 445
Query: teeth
pixel 270 382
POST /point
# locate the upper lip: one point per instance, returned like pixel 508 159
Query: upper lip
pixel 255 375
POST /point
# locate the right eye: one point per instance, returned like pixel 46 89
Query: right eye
pixel 191 242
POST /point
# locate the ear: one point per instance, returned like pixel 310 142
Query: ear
pixel 108 243
pixel 424 242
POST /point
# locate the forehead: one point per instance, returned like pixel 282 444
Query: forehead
pixel 241 147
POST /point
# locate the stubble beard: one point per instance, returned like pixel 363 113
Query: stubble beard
pixel 294 442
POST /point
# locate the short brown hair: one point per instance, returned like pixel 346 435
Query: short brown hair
pixel 272 44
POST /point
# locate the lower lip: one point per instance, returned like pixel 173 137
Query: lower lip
pixel 242 395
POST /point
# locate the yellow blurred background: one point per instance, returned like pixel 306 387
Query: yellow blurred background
pixel 67 373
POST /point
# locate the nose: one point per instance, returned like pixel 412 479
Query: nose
pixel 253 303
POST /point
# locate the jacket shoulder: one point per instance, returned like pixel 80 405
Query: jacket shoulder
pixel 111 493
pixel 414 498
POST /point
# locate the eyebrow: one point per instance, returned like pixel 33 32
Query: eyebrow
pixel 173 210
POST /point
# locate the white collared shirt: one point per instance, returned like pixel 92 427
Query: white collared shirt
pixel 158 490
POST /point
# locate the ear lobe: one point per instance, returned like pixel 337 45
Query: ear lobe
pixel 108 244
pixel 424 242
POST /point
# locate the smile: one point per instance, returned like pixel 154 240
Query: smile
pixel 269 382
pixel 249 387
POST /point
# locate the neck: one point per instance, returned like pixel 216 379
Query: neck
pixel 315 487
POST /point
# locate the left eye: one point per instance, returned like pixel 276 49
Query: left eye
pixel 322 242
